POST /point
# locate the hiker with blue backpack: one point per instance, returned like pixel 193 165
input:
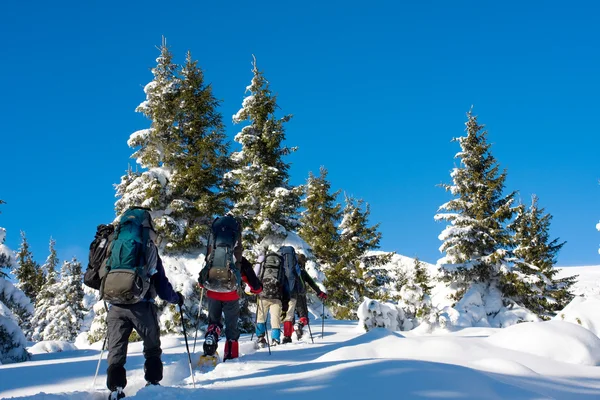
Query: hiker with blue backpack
pixel 126 268
pixel 301 301
pixel 222 275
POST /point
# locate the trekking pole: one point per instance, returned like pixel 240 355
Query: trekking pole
pixel 310 332
pixel 187 347
pixel 198 321
pixel 102 350
pixel 99 360
pixel 255 319
pixel 323 320
pixel 267 329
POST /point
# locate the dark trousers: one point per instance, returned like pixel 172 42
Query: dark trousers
pixel 302 306
pixel 121 320
pixel 231 309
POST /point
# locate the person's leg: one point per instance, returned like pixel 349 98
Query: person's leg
pixel 288 324
pixel 302 311
pixel 119 328
pixel 145 322
pixel 211 338
pixel 275 310
pixel 261 319
pixel 231 309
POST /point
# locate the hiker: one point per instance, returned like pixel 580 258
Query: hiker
pixel 221 276
pixel 292 288
pixel 133 276
pixel 268 302
pixel 301 303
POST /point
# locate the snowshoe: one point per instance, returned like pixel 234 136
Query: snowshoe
pixel 116 394
pixel 152 384
pixel 208 361
pixel 275 342
pixel 287 339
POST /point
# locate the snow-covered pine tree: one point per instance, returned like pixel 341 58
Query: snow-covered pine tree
pixel 357 274
pixel 264 199
pixel 66 307
pixel 12 338
pixel 27 272
pixel 319 220
pixel 45 298
pixel 476 242
pixel 531 282
pixel 184 155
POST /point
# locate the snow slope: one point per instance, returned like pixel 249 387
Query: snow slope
pixel 346 364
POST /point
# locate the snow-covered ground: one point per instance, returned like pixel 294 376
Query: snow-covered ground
pixel 545 360
pixel 345 364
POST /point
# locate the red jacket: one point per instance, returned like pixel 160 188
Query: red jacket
pixel 248 276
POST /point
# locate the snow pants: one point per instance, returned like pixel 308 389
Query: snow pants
pixel 231 310
pixel 121 321
pixel 302 306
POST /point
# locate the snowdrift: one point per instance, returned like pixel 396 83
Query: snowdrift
pixel 584 311
pixel 51 346
pixel 557 340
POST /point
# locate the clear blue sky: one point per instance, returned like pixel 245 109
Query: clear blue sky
pixel 377 89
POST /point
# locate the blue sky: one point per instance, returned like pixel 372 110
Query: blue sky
pixel 377 89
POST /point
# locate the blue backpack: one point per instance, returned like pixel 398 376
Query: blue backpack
pixel 126 277
pixel 292 280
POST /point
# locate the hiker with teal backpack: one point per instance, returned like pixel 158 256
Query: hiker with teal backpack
pixel 129 280
pixel 222 274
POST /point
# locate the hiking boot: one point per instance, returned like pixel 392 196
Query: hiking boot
pixel 275 342
pixel 116 394
pixel 210 343
pixel 261 342
pixel 287 339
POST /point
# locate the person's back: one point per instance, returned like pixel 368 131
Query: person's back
pixel 132 278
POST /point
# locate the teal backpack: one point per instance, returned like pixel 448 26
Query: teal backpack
pixel 126 277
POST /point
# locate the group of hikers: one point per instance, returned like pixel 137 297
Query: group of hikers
pixel 124 265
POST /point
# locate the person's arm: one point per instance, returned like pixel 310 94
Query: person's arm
pixel 163 287
pixel 308 279
pixel 250 277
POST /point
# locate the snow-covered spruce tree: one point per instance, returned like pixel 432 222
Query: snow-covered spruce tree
pixel 357 274
pixel 531 282
pixel 414 294
pixel 45 298
pixel 476 242
pixel 27 273
pixel 264 199
pixel 66 309
pixel 319 220
pixel 184 155
pixel 12 338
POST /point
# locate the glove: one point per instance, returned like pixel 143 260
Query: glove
pixel 256 291
pixel 322 295
pixel 180 299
